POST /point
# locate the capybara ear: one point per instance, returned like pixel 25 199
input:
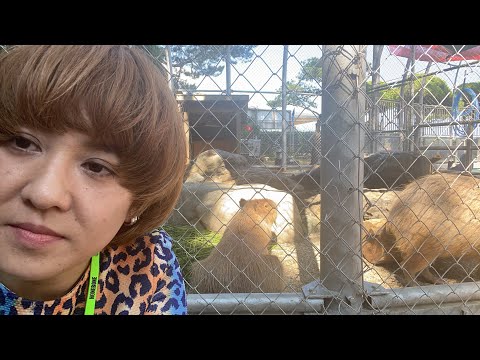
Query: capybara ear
pixel 242 202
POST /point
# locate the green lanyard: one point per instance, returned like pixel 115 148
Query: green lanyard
pixel 92 285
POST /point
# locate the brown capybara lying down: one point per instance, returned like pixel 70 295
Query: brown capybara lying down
pixel 436 217
pixel 241 262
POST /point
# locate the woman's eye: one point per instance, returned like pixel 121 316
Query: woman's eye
pixel 24 144
pixel 97 169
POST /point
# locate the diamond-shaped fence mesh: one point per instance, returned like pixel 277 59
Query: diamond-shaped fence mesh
pixel 327 179
pixel 334 179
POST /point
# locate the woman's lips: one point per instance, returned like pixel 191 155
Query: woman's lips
pixel 34 236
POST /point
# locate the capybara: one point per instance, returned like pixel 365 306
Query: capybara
pixel 241 262
pixel 395 169
pixel 381 170
pixel 377 249
pixel 436 217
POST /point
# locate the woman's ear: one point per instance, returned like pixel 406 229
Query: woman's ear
pixel 132 216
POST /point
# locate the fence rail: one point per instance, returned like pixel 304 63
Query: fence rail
pixel 338 202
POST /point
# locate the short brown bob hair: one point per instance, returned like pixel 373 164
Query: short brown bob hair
pixel 115 94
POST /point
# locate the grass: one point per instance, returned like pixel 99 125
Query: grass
pixel 190 244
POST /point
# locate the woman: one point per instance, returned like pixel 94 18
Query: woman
pixel 92 155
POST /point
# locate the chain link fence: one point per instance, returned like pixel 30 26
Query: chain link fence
pixel 364 164
pixel 334 179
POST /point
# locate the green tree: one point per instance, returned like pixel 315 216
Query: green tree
pixel 303 92
pixel 305 88
pixel 465 100
pixel 194 61
pixel 436 92
pixel 475 86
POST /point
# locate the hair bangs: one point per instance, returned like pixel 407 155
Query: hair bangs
pixel 118 97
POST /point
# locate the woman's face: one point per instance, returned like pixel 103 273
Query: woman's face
pixel 60 203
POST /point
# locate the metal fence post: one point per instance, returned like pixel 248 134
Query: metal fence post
pixel 168 55
pixel 343 110
pixel 410 106
pixel 374 123
pixel 284 107
pixel 228 70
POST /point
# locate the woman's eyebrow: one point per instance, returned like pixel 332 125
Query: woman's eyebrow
pixel 99 146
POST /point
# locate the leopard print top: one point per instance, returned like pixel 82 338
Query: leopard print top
pixel 143 278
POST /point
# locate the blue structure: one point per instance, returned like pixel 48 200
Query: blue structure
pixel 460 130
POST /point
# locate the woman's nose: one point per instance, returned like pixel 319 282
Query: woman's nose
pixel 49 186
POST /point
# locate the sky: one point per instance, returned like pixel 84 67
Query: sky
pixel 262 76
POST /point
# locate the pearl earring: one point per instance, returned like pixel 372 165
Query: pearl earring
pixel 132 221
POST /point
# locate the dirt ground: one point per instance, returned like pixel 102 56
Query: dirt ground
pixel 301 265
